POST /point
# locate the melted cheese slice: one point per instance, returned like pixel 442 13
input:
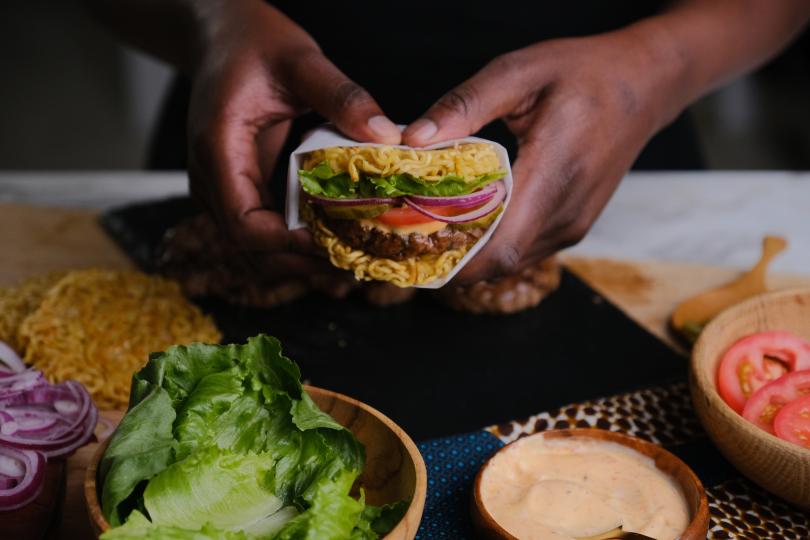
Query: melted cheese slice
pixel 420 228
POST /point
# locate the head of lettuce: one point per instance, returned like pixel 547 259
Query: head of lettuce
pixel 223 442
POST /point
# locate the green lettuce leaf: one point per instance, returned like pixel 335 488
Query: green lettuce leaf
pixel 139 449
pixel 221 440
pixel 222 488
pixel 138 527
pixel 324 182
pixel 379 520
pixel 332 514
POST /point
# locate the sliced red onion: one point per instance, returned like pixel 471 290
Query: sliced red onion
pixel 29 486
pixel 51 447
pixel 85 402
pixel 26 413
pixel 41 394
pixel 87 434
pixel 11 467
pixel 64 439
pixel 478 213
pixel 21 381
pixel 52 419
pixel 10 358
pixel 461 201
pixel 36 425
pixel 38 421
pixel 7 482
pixel 325 201
pixel 65 406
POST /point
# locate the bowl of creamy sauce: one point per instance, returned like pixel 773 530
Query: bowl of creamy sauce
pixel 577 483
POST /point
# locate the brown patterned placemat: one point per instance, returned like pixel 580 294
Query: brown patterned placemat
pixel 664 415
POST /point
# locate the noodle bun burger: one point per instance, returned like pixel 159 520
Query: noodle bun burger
pixel 402 215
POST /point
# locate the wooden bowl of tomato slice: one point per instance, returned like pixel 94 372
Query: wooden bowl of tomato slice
pixel 750 384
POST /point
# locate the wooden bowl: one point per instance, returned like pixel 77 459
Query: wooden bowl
pixel 394 469
pixel 689 483
pixel 778 466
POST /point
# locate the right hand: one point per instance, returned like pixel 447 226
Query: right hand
pixel 256 71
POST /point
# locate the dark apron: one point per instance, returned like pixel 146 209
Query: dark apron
pixel 409 54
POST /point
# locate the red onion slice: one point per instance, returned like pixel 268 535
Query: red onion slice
pixel 25 413
pixel 11 467
pixel 65 406
pixel 52 419
pixel 478 213
pixel 461 201
pixel 86 434
pixel 325 201
pixel 38 421
pixel 29 486
pixel 24 380
pixel 41 394
pixel 35 425
pixel 7 482
pixel 9 357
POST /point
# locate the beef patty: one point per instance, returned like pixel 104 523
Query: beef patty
pixel 398 247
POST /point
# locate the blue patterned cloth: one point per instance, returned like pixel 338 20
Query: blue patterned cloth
pixel 452 463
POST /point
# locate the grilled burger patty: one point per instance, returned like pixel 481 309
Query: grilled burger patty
pixel 394 246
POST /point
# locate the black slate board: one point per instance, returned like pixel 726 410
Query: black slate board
pixel 433 370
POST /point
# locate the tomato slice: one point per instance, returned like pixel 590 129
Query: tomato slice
pixel 764 404
pixel 756 360
pixel 405 215
pixel 793 422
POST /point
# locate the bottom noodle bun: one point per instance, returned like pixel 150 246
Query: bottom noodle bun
pixel 405 273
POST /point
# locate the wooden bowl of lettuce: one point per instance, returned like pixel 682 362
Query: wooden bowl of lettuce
pixel 224 442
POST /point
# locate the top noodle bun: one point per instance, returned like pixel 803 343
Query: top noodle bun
pixel 467 161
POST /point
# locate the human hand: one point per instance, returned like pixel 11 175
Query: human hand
pixel 256 71
pixel 582 109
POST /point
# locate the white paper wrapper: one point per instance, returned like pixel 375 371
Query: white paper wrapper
pixel 326 137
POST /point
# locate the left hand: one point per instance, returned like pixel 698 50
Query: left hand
pixel 582 109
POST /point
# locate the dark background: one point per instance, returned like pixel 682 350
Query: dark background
pixel 71 97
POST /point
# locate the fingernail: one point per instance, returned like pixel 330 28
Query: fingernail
pixel 423 129
pixel 384 128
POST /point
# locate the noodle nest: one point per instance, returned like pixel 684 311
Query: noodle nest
pixel 467 161
pixel 17 303
pixel 98 327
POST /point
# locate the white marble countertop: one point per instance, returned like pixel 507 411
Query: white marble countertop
pixel 715 218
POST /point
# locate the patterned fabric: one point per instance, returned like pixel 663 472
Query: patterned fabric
pixel 739 509
pixel 662 415
pixel 452 464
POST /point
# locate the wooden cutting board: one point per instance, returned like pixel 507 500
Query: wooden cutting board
pixel 37 239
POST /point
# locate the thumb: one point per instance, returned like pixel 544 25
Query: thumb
pixel 321 85
pixel 493 92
